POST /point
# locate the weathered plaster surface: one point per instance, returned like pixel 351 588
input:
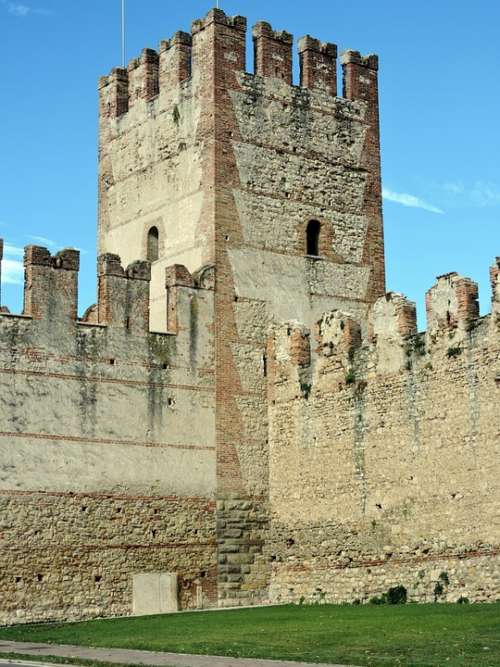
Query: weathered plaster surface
pixel 151 175
pixel 107 450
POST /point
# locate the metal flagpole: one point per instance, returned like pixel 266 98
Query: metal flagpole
pixel 123 33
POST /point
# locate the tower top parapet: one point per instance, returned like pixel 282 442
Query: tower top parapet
pixel 156 72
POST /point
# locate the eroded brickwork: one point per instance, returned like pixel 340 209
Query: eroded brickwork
pixel 385 472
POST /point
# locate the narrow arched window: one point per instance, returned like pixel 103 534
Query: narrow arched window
pixel 153 244
pixel 312 237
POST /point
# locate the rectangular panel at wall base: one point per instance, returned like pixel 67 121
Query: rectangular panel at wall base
pixel 154 593
pixel 168 592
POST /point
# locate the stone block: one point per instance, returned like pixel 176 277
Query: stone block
pixel 155 593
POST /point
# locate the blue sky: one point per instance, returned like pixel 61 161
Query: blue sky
pixel 439 97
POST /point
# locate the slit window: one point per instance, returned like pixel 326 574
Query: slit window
pixel 312 237
pixel 153 244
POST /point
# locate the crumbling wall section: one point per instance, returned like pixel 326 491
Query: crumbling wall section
pixel 383 453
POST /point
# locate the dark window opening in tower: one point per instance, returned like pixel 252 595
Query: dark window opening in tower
pixel 153 244
pixel 312 233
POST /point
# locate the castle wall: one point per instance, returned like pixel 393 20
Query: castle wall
pixel 107 451
pixel 384 457
pixel 334 461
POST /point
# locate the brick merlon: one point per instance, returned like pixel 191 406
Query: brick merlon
pixel 178 38
pixel 139 270
pixel 110 265
pixel 264 29
pixel 67 259
pixel 178 275
pixel 148 56
pixel 36 256
pixel 350 57
pixel 308 43
pixel 219 17
pixel 116 75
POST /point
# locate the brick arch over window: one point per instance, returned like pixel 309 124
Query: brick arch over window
pixel 313 231
pixel 153 244
pixel 315 238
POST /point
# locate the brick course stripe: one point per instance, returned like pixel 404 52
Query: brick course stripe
pixel 75 548
pixel 39 355
pixel 193 500
pixel 104 380
pixel 102 441
pixel 393 562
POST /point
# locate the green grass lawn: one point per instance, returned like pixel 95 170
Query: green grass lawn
pixel 417 635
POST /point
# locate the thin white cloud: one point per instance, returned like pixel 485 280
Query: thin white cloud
pixel 485 194
pixel 12 265
pixel 454 188
pixel 12 272
pixel 480 193
pixel 13 250
pixel 406 199
pixel 52 245
pixel 20 10
pixel 42 239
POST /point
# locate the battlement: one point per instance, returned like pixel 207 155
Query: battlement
pixel 123 294
pixel 219 17
pixel 392 343
pixel 186 55
pixel 452 303
pixel 318 64
pixel 51 291
pixel 272 52
pixel 50 287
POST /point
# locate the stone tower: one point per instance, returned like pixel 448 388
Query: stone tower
pixel 275 185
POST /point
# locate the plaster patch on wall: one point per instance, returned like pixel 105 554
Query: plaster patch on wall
pixel 37 464
pixel 282 279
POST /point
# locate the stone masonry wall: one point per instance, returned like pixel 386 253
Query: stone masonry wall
pixel 339 459
pixel 107 453
pixel 68 556
pixel 384 455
